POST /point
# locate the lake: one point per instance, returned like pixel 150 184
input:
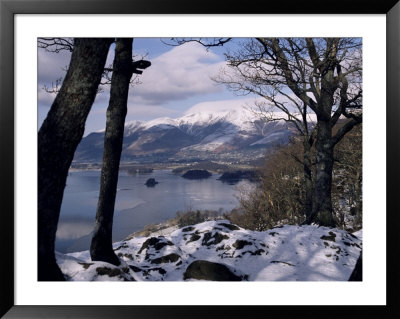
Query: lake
pixel 136 204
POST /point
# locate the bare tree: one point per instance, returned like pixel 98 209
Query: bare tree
pixel 300 76
pixel 58 138
pixel 123 68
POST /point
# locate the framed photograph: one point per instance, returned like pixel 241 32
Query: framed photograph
pixel 172 29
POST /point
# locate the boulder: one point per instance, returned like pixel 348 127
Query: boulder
pixel 229 226
pixel 206 270
pixel 171 258
pixel 239 244
pixel 156 243
pixel 215 239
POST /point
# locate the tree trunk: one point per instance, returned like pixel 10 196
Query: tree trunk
pixel 101 245
pixel 58 137
pixel 322 212
pixel 356 275
pixel 308 184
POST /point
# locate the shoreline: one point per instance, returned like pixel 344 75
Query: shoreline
pixel 178 168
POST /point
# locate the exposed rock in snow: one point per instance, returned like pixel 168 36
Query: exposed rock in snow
pixel 219 250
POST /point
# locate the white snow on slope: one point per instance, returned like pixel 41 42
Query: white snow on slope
pixel 205 113
pixel 288 253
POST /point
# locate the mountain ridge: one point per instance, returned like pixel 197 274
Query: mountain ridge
pixel 196 134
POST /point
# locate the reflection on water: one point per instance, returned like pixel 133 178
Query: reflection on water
pixel 136 205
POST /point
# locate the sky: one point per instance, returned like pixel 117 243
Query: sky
pixel 179 78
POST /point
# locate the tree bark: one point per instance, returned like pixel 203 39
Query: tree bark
pixel 308 184
pixel 58 137
pixel 356 275
pixel 101 245
pixel 322 212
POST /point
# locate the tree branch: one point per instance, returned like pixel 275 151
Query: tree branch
pixel 345 129
pixel 56 44
pixel 216 42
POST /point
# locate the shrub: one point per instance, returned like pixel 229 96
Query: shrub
pixel 193 217
pixel 277 198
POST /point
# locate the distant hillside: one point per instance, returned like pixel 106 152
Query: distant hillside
pixel 204 134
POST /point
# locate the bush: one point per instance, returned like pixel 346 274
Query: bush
pixel 277 198
pixel 193 217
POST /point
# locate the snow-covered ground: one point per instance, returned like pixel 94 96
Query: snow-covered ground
pixel 219 250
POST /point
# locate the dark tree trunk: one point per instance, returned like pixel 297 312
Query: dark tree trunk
pixel 308 183
pixel 58 137
pixel 322 212
pixel 356 275
pixel 101 245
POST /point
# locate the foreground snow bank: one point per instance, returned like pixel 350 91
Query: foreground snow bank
pixel 219 250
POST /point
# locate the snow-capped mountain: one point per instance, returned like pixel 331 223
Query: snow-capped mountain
pixel 199 132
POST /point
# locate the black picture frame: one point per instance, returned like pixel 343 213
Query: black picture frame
pixel 8 10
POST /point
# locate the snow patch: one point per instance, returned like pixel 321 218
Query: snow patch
pixel 287 253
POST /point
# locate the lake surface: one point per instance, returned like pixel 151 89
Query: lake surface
pixel 136 204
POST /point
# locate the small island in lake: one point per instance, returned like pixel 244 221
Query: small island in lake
pixel 151 182
pixel 197 174
pixel 235 177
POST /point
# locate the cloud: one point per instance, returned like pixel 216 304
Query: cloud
pixel 222 105
pixel 45 98
pixel 50 69
pixel 51 65
pixel 180 73
pixel 147 112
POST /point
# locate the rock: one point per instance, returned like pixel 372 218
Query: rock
pixel 160 270
pixel 194 237
pixel 229 226
pixel 151 182
pixel 197 174
pixel 331 236
pixel 85 265
pixel 112 272
pixel 217 238
pixel 135 269
pixel 239 244
pixel 206 270
pixel 122 273
pixel 171 258
pixel 156 243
